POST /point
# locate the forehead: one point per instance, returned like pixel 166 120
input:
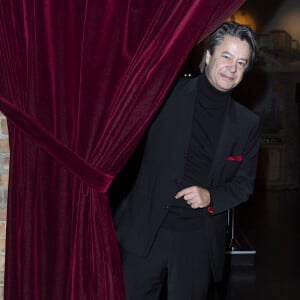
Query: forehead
pixel 234 46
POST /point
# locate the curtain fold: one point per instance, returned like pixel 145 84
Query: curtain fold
pixel 80 81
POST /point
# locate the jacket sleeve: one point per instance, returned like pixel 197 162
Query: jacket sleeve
pixel 237 189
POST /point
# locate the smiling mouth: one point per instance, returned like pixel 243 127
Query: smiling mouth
pixel 226 77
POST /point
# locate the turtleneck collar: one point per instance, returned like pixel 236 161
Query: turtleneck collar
pixel 213 98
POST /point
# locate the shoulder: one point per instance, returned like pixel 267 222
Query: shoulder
pixel 185 85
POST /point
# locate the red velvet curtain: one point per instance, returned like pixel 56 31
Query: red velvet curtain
pixel 79 84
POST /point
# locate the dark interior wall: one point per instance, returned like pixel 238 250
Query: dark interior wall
pixel 262 11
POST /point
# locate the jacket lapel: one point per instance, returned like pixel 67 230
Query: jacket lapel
pixel 189 109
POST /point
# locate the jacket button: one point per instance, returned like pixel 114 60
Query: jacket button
pixel 166 206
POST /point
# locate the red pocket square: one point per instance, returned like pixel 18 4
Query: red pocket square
pixel 235 158
pixel 210 209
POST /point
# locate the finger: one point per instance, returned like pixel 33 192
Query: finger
pixel 188 196
pixel 191 203
pixel 194 205
pixel 183 192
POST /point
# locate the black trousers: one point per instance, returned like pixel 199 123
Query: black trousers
pixel 178 261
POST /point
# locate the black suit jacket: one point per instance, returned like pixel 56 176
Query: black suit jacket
pixel 231 175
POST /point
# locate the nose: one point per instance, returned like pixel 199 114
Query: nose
pixel 232 67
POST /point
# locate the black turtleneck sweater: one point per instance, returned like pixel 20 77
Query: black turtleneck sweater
pixel 209 111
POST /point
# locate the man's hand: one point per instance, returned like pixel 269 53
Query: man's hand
pixel 195 196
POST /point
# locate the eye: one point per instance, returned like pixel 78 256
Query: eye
pixel 226 56
pixel 242 64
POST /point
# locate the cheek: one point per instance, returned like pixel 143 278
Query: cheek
pixel 221 67
pixel 238 80
pixel 215 68
pixel 208 71
pixel 240 76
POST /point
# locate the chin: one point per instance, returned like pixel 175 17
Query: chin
pixel 226 85
pixel 225 88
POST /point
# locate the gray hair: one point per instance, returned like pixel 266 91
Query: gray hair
pixel 243 32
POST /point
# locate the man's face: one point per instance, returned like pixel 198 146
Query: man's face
pixel 226 66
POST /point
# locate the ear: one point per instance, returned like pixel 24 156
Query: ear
pixel 207 57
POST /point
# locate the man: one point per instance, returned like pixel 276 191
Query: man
pixel 199 161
